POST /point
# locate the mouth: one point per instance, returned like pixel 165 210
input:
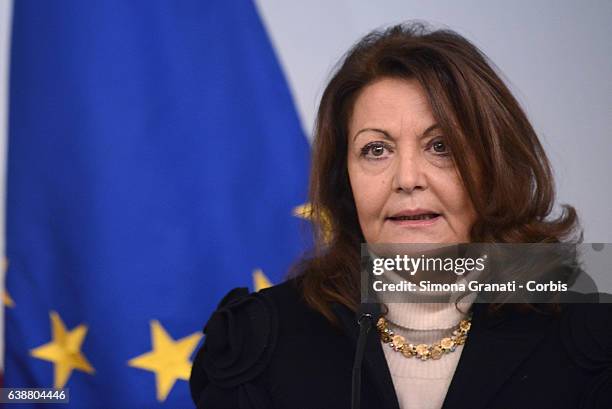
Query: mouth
pixel 423 216
pixel 417 219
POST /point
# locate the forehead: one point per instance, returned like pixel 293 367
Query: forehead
pixel 395 104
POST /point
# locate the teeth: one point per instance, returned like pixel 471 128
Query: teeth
pixel 417 217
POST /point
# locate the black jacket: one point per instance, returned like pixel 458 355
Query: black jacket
pixel 270 350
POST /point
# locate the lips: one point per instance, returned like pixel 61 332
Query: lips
pixel 427 216
pixel 414 214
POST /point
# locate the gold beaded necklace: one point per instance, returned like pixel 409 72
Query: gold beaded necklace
pixel 424 351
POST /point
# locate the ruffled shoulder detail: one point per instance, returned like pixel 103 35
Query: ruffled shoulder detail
pixel 586 331
pixel 240 338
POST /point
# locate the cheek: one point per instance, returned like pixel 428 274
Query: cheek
pixel 369 192
pixel 457 203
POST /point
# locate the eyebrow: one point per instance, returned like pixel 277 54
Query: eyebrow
pixel 388 136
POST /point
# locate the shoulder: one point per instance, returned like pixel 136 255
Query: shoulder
pixel 586 334
pixel 586 331
pixel 241 336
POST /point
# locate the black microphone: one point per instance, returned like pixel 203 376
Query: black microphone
pixel 366 314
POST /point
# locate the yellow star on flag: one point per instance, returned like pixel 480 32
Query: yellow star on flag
pixel 64 351
pixel 260 281
pixel 305 212
pixel 169 359
pixel 7 300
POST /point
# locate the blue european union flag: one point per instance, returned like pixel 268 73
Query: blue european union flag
pixel 155 161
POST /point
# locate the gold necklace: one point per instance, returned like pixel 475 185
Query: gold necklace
pixel 424 351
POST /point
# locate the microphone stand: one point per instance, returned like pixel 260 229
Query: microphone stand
pixel 365 321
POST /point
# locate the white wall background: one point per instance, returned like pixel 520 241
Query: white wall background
pixel 5 25
pixel 556 56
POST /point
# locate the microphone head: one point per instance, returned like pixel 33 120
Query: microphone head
pixel 368 310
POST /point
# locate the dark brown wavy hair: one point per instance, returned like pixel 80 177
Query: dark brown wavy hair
pixel 502 164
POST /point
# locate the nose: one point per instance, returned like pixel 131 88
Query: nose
pixel 409 173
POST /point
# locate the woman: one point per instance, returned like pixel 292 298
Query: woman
pixel 417 141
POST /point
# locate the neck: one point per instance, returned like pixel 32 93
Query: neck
pixel 418 312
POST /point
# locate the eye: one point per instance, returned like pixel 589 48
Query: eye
pixel 376 150
pixel 439 147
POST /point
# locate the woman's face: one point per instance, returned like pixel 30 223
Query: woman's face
pixel 405 185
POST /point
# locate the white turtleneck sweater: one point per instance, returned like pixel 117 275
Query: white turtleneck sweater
pixel 423 384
